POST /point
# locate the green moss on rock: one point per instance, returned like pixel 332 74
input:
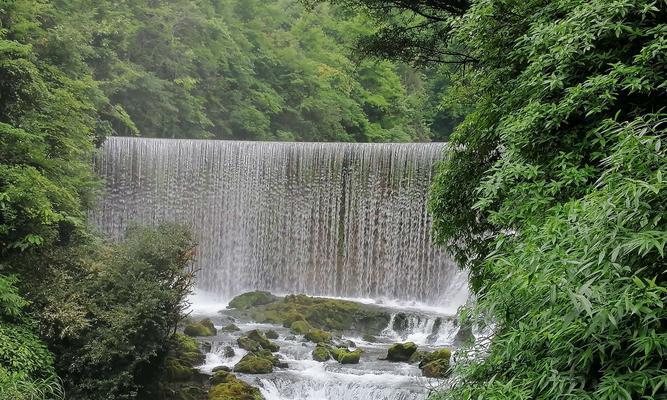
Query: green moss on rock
pixel 260 338
pixel 271 334
pixel 369 338
pixel 436 363
pixel 321 353
pixel 318 336
pixel 230 328
pixel 401 352
pixel 234 389
pixel 345 356
pixel 202 328
pixel 220 376
pixel 251 299
pixel 248 344
pixel 253 364
pixel 300 327
pixel 327 314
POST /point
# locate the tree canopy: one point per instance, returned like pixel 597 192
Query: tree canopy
pixel 552 195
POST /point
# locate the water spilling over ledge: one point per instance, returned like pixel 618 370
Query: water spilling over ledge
pixel 331 219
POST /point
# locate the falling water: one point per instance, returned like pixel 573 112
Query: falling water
pixel 332 219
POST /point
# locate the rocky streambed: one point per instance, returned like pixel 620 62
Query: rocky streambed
pixel 302 348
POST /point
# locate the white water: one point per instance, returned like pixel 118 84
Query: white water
pixel 306 379
pixel 333 219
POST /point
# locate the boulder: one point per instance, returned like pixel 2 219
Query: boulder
pixel 369 338
pixel 271 334
pixel 234 389
pixel 251 299
pixel 300 327
pixel 263 341
pixel 221 368
pixel 401 352
pixel 321 353
pixel 229 351
pixel 202 328
pixel 248 344
pixel 230 328
pixel 253 364
pixel 436 363
pixel 220 376
pixel 345 356
pixel 318 336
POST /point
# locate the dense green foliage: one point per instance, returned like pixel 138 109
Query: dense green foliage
pixel 553 194
pixel 237 69
pixel 26 366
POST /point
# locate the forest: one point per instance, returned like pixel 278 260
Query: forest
pixel 551 195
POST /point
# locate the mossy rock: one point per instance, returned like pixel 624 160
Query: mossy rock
pixel 229 351
pixel 230 328
pixel 321 353
pixel 177 371
pixel 318 336
pixel 401 352
pixel 436 363
pixel 221 376
pixel 300 327
pixel 234 389
pixel 345 356
pixel 260 338
pixel 253 364
pixel 436 369
pixel 271 334
pixel 248 344
pixel 202 328
pixel 221 368
pixel 251 299
pixel 417 356
pixel 369 338
pixel 291 316
pixel 401 322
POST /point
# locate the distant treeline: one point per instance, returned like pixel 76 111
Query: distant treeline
pixel 234 69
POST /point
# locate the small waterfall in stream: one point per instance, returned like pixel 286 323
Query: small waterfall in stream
pixel 335 219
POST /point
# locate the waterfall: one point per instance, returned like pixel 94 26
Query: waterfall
pixel 334 219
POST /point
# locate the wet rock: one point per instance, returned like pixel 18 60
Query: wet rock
pixel 248 344
pixel 253 364
pixel 251 299
pixel 271 334
pixel 234 389
pixel 369 338
pixel 300 327
pixel 417 356
pixel 263 341
pixel 291 316
pixel 464 335
pixel 230 328
pixel 220 376
pixel 206 347
pixel 202 328
pixel 345 356
pixel 401 322
pixel 401 352
pixel 318 336
pixel 221 368
pixel 436 364
pixel 321 353
pixel 229 351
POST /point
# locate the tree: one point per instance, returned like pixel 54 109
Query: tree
pixel 552 193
